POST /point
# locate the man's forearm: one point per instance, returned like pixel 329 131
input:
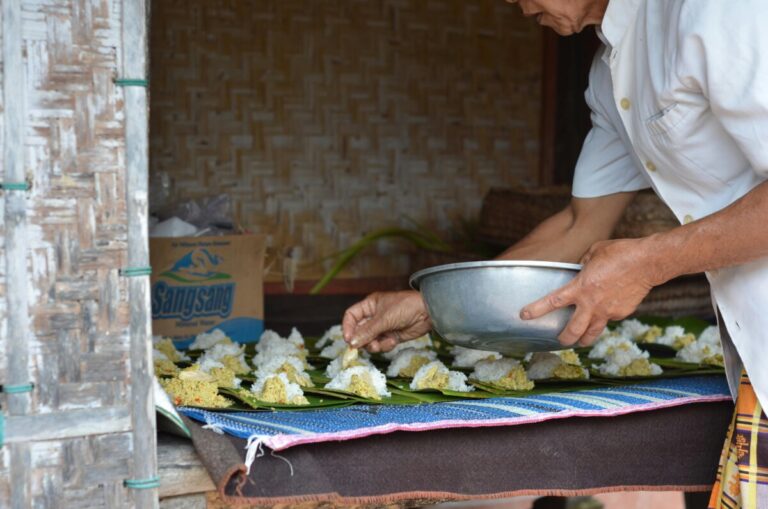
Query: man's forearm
pixel 732 236
pixel 567 235
pixel 549 241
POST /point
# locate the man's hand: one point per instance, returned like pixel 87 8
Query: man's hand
pixel 616 276
pixel 382 320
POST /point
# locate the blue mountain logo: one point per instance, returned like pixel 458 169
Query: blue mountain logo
pixel 196 266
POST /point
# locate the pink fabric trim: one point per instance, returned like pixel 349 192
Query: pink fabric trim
pixel 442 496
pixel 282 442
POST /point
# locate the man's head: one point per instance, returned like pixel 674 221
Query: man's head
pixel 565 17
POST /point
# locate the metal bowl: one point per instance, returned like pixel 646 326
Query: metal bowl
pixel 478 304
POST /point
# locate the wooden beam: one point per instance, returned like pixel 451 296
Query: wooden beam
pixel 179 467
pixel 198 501
pixel 548 132
pixel 69 424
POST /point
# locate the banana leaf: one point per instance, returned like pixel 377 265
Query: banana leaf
pixel 423 397
pixel 395 399
pixel 547 388
pixel 404 386
pixel 194 354
pixel 688 366
pixel 314 402
pixel 318 376
pixel 667 373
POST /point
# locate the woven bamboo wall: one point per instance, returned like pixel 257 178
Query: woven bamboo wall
pixel 327 119
pixel 76 243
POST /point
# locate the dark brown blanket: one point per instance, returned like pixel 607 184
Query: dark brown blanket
pixel 670 449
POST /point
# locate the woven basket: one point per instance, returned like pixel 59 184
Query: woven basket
pixel 646 215
pixel 508 215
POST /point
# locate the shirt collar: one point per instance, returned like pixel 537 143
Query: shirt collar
pixel 617 18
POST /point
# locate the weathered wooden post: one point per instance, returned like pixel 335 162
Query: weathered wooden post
pixel 17 383
pixel 134 81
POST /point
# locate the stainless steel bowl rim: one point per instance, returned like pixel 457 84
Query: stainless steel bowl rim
pixel 416 278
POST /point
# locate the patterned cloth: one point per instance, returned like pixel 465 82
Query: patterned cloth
pixel 283 429
pixel 742 477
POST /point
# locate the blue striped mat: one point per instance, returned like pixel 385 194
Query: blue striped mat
pixel 280 430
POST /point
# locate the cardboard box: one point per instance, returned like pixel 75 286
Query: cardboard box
pixel 205 283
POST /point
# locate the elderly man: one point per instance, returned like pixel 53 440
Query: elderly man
pixel 679 100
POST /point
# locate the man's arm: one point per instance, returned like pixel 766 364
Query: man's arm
pixel 732 236
pixel 383 319
pixel 567 235
pixel 618 274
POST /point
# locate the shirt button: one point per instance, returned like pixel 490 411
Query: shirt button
pixel 625 104
pixel 650 166
pixel 687 219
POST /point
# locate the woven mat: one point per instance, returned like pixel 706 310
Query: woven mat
pixel 674 448
pixel 281 430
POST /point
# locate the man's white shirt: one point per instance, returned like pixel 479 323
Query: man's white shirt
pixel 679 99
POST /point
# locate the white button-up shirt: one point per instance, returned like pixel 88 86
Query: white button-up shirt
pixel 679 99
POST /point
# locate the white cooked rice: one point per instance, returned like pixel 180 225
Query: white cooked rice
pixel 334 349
pixel 420 342
pixel 670 335
pixel 206 340
pixel 457 381
pixel 292 390
pixel 609 343
pixel 296 338
pixel 493 370
pixel 279 347
pixel 274 364
pixel 542 365
pixel 710 336
pixel 633 328
pixel 468 357
pixel 343 380
pixel 330 335
pixel 336 365
pixel 221 350
pixel 403 359
pixel 698 351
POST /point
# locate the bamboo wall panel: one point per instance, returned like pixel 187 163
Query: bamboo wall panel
pixel 76 233
pixel 327 119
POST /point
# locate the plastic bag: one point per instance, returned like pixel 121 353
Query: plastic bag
pixel 212 215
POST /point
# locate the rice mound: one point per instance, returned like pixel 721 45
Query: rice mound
pixel 436 375
pixel 507 374
pixel 365 381
pixel 408 361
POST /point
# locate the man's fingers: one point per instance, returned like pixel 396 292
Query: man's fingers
pixel 593 332
pixel 576 327
pixel 366 332
pixel 383 343
pixel 555 300
pixel 388 343
pixel 355 315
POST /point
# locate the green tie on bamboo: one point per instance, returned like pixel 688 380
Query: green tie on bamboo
pixel 14 186
pixel 136 271
pixel 131 82
pixel 142 484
